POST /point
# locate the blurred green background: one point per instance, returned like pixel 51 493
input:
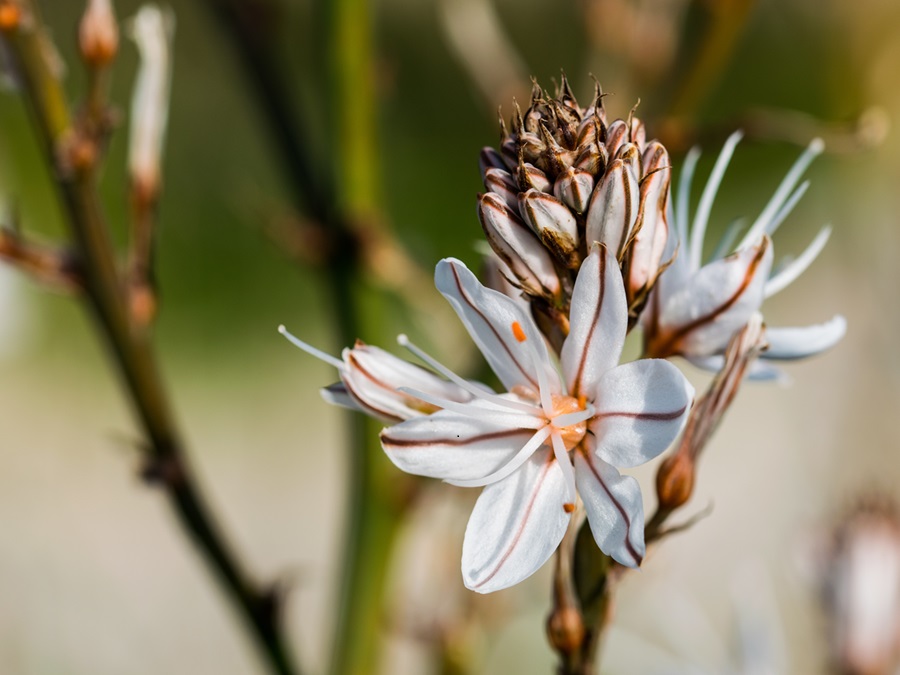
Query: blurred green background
pixel 95 579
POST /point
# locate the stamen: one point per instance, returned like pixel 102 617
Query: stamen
pixel 559 450
pixel 709 194
pixel 312 351
pixel 512 418
pixel 518 333
pixel 568 419
pixel 478 393
pixel 726 243
pixel 684 196
pixel 789 205
pixel 761 224
pixel 518 460
pixel 798 266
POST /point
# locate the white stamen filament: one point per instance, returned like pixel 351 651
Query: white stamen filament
pixel 726 243
pixel 788 207
pixel 562 457
pixel 543 384
pixel 781 194
pixel 709 194
pixel 478 393
pixel 684 196
pixel 312 351
pixel 568 419
pixel 509 418
pixel 786 276
pixel 518 460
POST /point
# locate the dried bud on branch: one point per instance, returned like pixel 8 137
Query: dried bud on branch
pixel 98 34
pixel 675 479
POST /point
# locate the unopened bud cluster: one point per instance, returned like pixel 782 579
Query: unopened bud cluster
pixel 564 178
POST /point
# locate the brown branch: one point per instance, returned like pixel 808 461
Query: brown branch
pixel 74 173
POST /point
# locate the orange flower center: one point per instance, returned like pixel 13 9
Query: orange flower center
pixel 563 405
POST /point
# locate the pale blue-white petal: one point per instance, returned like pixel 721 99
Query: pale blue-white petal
pixel 505 334
pixel 373 378
pixel 699 318
pixel 598 320
pixel 759 370
pixel 454 446
pixel 614 508
pixel 798 343
pixel 641 408
pixel 516 525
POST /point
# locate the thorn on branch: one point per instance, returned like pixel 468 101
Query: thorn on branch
pixel 164 471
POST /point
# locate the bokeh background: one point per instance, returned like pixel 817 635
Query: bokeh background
pixel 94 576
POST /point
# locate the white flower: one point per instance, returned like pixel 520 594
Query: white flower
pixel 696 308
pixel 552 433
pixel 551 437
pixel 371 382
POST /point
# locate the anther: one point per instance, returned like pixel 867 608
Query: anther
pixel 517 331
pixel 568 507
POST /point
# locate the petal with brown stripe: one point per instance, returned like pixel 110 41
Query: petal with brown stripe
pixel 641 407
pixel 505 334
pixel 516 525
pixel 452 446
pixel 598 320
pixel 614 509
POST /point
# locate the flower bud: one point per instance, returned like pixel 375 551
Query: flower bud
pixel 593 159
pixel 591 133
pixel 532 177
pixel 517 246
pixel 638 132
pixel 631 155
pixel 617 134
pixel 565 629
pixel 675 480
pixel 98 33
pixel 573 187
pixel 613 209
pixel 490 159
pixel 554 224
pixel 501 183
pixel 652 228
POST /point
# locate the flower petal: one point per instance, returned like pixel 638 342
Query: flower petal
pixel 614 509
pixel 373 377
pixel 504 333
pixel 598 320
pixel 453 446
pixel 797 343
pixel 699 318
pixel 641 408
pixel 516 525
pixel 759 370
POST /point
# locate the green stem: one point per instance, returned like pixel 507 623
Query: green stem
pixel 166 461
pixel 374 509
